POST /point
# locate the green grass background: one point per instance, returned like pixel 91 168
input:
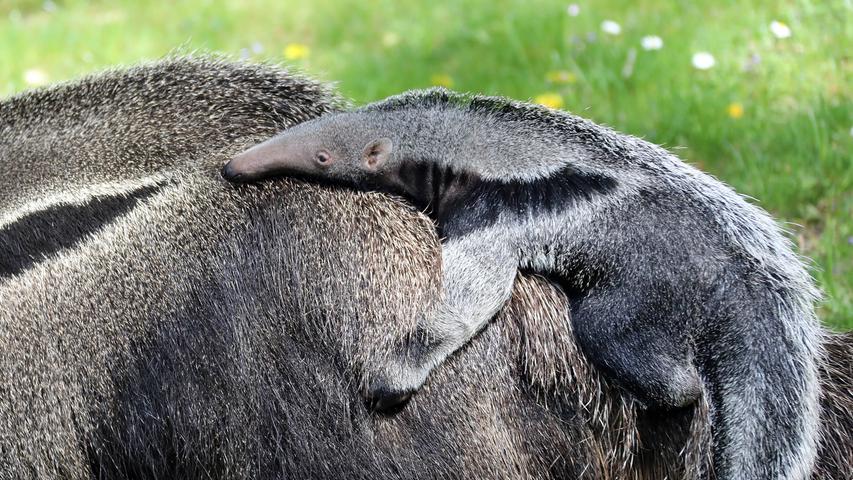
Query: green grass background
pixel 792 149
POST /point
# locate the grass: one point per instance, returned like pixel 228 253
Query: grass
pixel 792 147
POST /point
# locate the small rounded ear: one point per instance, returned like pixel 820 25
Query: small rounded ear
pixel 377 152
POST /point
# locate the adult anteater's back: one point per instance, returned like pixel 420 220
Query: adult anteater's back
pixel 76 155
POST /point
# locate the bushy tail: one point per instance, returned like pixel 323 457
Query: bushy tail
pixel 765 393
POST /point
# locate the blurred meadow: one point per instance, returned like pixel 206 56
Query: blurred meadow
pixel 758 93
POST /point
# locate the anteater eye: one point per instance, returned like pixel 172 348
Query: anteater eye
pixel 323 157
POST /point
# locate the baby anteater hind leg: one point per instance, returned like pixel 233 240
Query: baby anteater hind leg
pixel 628 338
pixel 477 278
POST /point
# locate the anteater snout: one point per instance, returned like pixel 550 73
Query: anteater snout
pixel 230 173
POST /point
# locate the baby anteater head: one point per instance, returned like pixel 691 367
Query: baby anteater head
pixel 338 148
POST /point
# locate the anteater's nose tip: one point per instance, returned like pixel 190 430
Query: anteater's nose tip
pixel 230 173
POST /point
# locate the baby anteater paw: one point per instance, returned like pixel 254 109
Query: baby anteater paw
pixel 391 384
pixel 391 388
pixel 382 399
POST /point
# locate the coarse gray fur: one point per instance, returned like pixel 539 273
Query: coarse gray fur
pixel 677 284
pixel 167 325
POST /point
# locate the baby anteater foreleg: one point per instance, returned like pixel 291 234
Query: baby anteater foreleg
pixel 477 280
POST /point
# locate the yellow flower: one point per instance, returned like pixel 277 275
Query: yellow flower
pixel 561 76
pixel 296 51
pixel 735 110
pixel 441 80
pixel 550 100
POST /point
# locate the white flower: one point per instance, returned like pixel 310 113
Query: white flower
pixel 779 29
pixel 651 42
pixel 573 10
pixel 35 77
pixel 610 27
pixel 703 60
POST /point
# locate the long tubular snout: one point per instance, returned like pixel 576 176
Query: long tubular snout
pixel 249 165
pixel 264 160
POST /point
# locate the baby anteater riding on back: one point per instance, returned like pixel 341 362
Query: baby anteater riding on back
pixel 678 287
